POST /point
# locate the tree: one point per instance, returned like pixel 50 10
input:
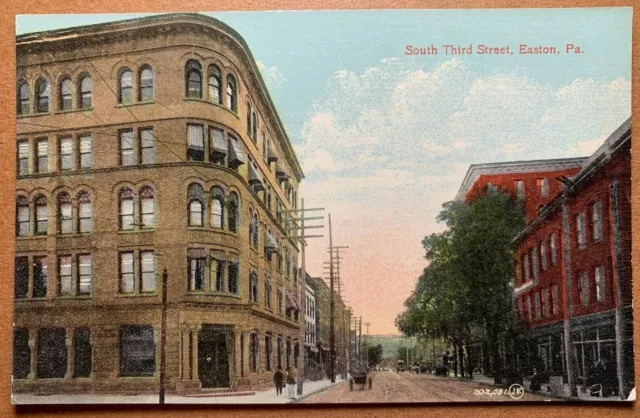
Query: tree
pixel 469 279
pixel 375 355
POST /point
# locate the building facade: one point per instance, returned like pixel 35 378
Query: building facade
pixel 573 285
pixel 150 146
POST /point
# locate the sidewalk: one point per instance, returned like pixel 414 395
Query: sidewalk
pixel 582 396
pixel 259 397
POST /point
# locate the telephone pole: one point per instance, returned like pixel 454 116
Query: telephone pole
pixel 302 237
pixel 368 341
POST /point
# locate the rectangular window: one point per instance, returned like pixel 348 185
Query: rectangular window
pixel 196 273
pixel 21 353
pixel 82 352
pixel 40 277
pixel 254 359
pixel 195 141
pixel 43 156
pixel 581 230
pixel 84 274
pixel 64 275
pixel 127 275
pixel 217 275
pixel 127 217
pixel 554 249
pixel 66 154
pixel 280 301
pixel 23 158
pixel 52 353
pixel 23 220
pixel 525 267
pixel 268 348
pixel 66 218
pixel 543 255
pixel 21 278
pixel 547 302
pixel 555 295
pixel 543 186
pixel 137 350
pixel 127 153
pixel 538 307
pixel 86 155
pixel 84 217
pixel 529 308
pixel 218 146
pixel 520 191
pixel 147 146
pixel 600 284
pixel 267 294
pixel 254 287
pixel 584 289
pixel 536 262
pixel 233 277
pixel 148 271
pixel 596 210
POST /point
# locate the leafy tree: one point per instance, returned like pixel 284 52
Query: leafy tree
pixel 469 279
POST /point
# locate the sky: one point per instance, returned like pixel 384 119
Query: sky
pixel 385 138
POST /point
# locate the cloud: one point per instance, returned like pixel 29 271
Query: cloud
pixel 271 75
pixel 386 147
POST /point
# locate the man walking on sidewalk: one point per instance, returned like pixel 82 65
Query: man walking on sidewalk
pixel 291 383
pixel 278 380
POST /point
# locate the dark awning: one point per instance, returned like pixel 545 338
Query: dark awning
pixel 272 155
pixel 219 144
pixel 280 171
pixel 236 153
pixel 293 303
pixel 272 244
pixel 255 178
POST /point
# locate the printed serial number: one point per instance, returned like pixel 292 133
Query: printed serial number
pixel 490 392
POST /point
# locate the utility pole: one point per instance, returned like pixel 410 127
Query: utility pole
pixel 163 336
pixel 360 337
pixel 334 278
pixel 302 237
pixel 368 341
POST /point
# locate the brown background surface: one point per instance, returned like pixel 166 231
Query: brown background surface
pixel 10 8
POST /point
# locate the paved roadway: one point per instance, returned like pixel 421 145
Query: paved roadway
pixel 391 386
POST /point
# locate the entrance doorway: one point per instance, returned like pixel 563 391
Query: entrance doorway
pixel 214 356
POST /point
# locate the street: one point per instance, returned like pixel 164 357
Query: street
pixel 406 387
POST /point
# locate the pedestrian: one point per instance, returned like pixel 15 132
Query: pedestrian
pixel 291 383
pixel 278 380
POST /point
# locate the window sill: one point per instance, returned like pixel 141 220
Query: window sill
pixel 137 295
pixel 134 231
pixel 31 237
pixel 32 299
pixel 62 112
pixel 212 294
pixel 132 104
pixel 30 115
pixel 75 297
pixel 74 235
pixel 221 106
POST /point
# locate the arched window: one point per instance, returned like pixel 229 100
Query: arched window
pixel 249 113
pixel 85 213
pixel 127 213
pixel 254 126
pixel 147 208
pixel 43 90
pixel 232 93
pixel 86 92
pixel 196 205
pixel 125 86
pixel 42 215
pixel 215 82
pixel 217 207
pixel 65 214
pixel 66 94
pixel 254 286
pixel 194 79
pixel 23 218
pixel 23 98
pixel 233 216
pixel 145 85
pixel 256 230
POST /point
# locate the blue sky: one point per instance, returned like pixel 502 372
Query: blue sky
pixel 385 139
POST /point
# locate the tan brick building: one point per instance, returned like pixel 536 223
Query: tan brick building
pixel 146 145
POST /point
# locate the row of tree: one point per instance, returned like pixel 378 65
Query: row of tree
pixel 466 288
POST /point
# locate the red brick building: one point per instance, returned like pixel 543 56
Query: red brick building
pixel 573 284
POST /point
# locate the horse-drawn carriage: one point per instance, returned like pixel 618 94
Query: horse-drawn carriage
pixel 360 376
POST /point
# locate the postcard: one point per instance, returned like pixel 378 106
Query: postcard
pixel 364 206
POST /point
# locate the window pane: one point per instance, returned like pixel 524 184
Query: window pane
pixel 148 272
pixel 85 216
pixel 21 286
pixel 82 351
pixel 64 272
pixel 148 145
pixel 146 85
pixel 137 350
pixel 216 213
pixel 126 148
pixel 86 158
pixel 66 220
pixel 195 213
pixel 43 153
pixel 126 86
pixel 23 221
pixel 86 92
pixel 147 209
pixel 51 353
pixel 126 273
pixel 84 280
pixel 23 157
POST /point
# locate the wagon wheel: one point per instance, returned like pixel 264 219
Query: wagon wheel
pixel 351 384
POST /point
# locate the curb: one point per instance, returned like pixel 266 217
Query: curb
pixel 306 395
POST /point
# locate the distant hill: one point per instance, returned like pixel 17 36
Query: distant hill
pixel 390 343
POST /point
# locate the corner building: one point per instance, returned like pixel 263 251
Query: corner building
pixel 145 146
